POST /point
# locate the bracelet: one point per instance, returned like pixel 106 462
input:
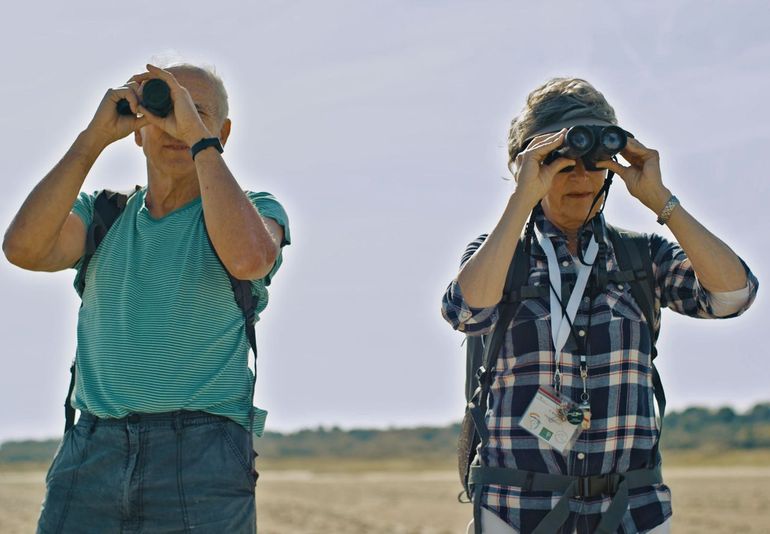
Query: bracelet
pixel 205 143
pixel 665 214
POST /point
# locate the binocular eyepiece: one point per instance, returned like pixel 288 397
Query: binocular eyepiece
pixel 591 143
pixel 156 98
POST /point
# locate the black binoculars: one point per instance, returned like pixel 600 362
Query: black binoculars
pixel 156 98
pixel 591 143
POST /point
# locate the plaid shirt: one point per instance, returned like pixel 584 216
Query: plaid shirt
pixel 623 425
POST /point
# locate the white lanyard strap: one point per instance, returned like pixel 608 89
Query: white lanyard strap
pixel 559 326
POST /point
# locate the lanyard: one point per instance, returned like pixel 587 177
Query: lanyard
pixel 562 317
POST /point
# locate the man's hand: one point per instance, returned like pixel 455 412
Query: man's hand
pixel 184 122
pixel 108 125
pixel 533 179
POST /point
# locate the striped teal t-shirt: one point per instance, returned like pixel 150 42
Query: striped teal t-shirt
pixel 159 329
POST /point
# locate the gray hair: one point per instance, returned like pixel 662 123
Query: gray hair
pixel 557 100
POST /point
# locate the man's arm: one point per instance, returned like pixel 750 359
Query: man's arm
pixel 246 242
pixel 45 235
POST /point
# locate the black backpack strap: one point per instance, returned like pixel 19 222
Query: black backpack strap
pixel 632 251
pixel 108 206
pixel 247 303
pixel 633 254
pixel 516 290
pixel 481 359
pixel 475 350
pixel 69 411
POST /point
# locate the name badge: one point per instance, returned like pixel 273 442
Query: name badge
pixel 553 419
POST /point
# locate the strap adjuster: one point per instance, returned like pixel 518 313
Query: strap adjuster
pixel 482 375
pixel 527 484
pixel 583 487
pixel 597 485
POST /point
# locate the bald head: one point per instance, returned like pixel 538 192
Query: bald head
pixel 210 76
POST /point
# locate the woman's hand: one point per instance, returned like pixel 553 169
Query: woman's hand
pixel 642 177
pixel 533 178
pixel 482 278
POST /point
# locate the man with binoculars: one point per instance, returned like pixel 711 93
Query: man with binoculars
pixel 176 277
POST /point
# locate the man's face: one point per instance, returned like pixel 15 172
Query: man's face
pixel 569 199
pixel 170 156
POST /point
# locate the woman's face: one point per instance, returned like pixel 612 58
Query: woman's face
pixel 569 199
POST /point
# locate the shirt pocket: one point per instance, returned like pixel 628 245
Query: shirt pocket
pixel 633 331
pixel 526 357
pixel 534 309
pixel 621 302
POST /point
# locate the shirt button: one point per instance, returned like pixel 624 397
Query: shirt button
pixel 620 287
pixel 565 263
pixel 587 300
pixel 581 456
pixel 465 315
pixel 581 333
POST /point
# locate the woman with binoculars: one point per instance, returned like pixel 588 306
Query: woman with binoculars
pixel 568 431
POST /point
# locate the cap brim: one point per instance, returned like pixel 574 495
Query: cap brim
pixel 581 121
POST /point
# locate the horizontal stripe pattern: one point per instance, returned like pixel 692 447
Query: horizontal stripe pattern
pixel 159 329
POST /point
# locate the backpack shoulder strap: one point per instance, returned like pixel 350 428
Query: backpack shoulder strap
pixel 245 299
pixel 632 251
pixel 479 353
pixel 247 303
pixel 515 291
pixel 481 359
pixel 108 206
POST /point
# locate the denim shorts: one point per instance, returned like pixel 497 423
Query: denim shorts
pixel 152 473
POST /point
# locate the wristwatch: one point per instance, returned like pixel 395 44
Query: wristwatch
pixel 665 214
pixel 205 143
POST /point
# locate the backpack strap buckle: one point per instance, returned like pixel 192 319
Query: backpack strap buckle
pixel 483 375
pixel 597 485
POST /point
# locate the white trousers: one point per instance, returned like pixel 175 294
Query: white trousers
pixel 491 524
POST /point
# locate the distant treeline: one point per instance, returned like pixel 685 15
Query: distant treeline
pixel 691 429
pixel 722 428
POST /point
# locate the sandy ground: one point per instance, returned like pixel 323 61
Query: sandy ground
pixel 712 500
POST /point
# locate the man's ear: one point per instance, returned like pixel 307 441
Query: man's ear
pixel 224 132
pixel 138 137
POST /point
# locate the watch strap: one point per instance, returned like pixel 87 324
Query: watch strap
pixel 665 213
pixel 205 143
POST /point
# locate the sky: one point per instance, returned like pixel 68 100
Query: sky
pixel 381 127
